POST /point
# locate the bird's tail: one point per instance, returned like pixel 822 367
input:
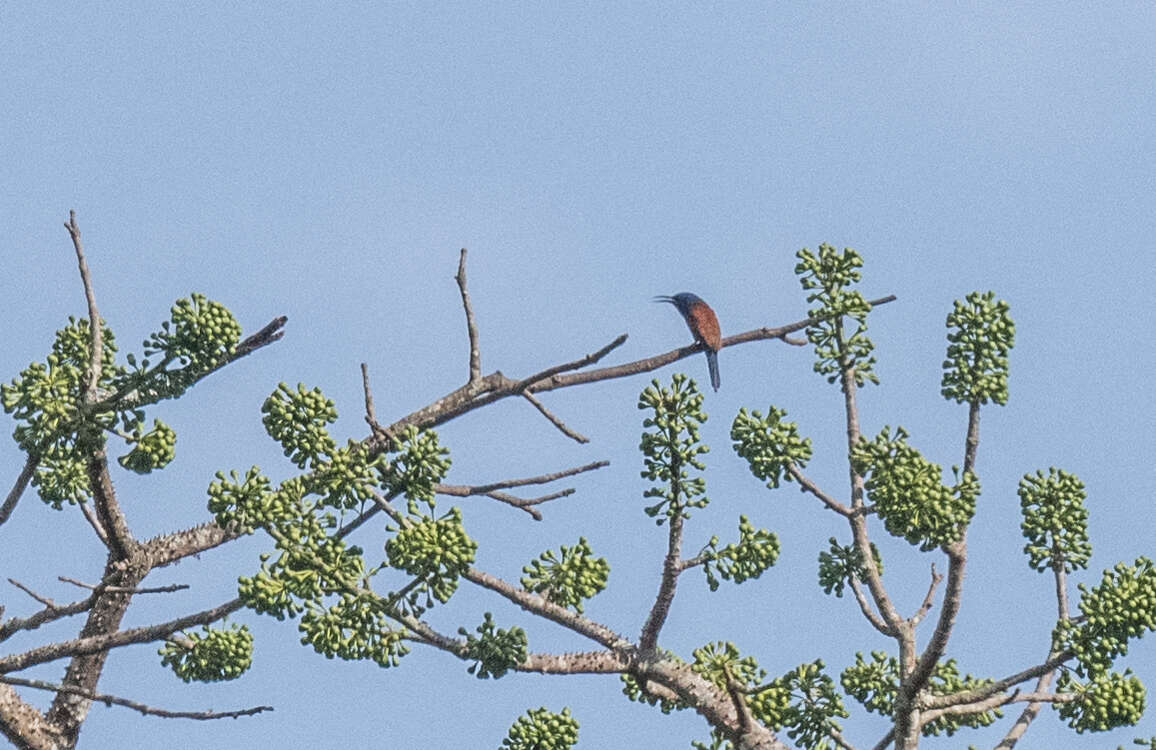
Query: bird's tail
pixel 712 363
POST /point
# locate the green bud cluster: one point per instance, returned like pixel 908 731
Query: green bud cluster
pixel 61 477
pixel 1055 520
pixel 981 333
pixel 151 450
pixel 1121 607
pixel 354 627
pixel 841 564
pixel 243 504
pixel 827 276
pixel 297 419
pixel 566 579
pixel 541 729
pixel 908 493
pixel 420 463
pixel 756 550
pixel 346 479
pixel 200 334
pixel 436 552
pixel 673 446
pixel 1109 701
pixel 769 444
pixel 875 684
pixel 494 651
pixel 213 656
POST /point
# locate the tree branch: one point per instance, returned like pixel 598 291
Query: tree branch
pixel 21 484
pixel 929 599
pixel 671 567
pixel 806 485
pixel 471 324
pixel 554 419
pixel 95 332
pixel 110 700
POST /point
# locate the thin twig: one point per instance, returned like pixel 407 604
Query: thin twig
pixel 481 489
pixel 110 700
pixel 554 419
pixel 865 607
pixel 21 484
pixel 90 516
pixel 42 599
pixel 95 330
pixel 471 324
pixel 806 485
pixel 122 590
pixel 929 599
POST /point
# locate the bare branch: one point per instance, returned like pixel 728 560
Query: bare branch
pixel 806 485
pixel 865 606
pixel 21 484
pixel 51 612
pixel 122 590
pixel 471 324
pixel 839 739
pixel 671 567
pixel 94 327
pixel 273 331
pixel 120 541
pixel 481 489
pixel 929 599
pixel 42 599
pixel 554 419
pixel 110 700
pixel 90 516
pixel 987 691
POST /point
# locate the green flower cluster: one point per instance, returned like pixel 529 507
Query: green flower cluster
pixel 541 729
pixel 436 552
pixel 1121 607
pixel 202 332
pixel 981 335
pixel 494 651
pixel 756 550
pixel 151 450
pixel 216 655
pixel 1109 701
pixel 297 419
pixel 841 564
pixel 769 444
pixel 908 493
pixel 1055 520
pixel 827 276
pixel 568 578
pixel 354 627
pixel 673 446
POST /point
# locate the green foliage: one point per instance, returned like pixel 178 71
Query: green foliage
pixel 1055 520
pixel 803 701
pixel 673 447
pixel 216 655
pixel 841 564
pixel 200 334
pixel 494 651
pixel 345 480
pixel 355 627
pixel 827 276
pixel 908 494
pixel 1108 701
pixel 419 463
pixel 568 578
pixel 436 552
pixel 541 729
pixel 769 444
pixel 297 419
pixel 151 450
pixel 981 333
pixel 756 550
pixel 1122 606
pixel 60 476
pixel 875 684
pixel 243 504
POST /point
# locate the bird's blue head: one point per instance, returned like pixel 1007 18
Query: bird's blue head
pixel 683 301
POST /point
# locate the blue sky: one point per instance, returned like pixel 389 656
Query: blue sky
pixel 327 163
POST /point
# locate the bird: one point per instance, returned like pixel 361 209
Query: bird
pixel 703 325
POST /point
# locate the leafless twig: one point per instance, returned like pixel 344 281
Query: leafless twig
pixel 929 599
pixel 471 324
pixel 554 419
pixel 122 590
pixel 21 484
pixel 110 700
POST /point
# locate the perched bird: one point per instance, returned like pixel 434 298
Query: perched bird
pixel 703 325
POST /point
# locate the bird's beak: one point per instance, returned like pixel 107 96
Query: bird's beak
pixel 663 298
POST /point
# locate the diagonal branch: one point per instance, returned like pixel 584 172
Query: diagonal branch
pixel 554 419
pixel 21 484
pixel 929 599
pixel 806 485
pixel 94 327
pixel 110 700
pixel 471 324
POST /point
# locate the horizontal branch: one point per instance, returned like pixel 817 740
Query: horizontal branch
pixel 979 694
pixel 110 700
pixel 97 643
